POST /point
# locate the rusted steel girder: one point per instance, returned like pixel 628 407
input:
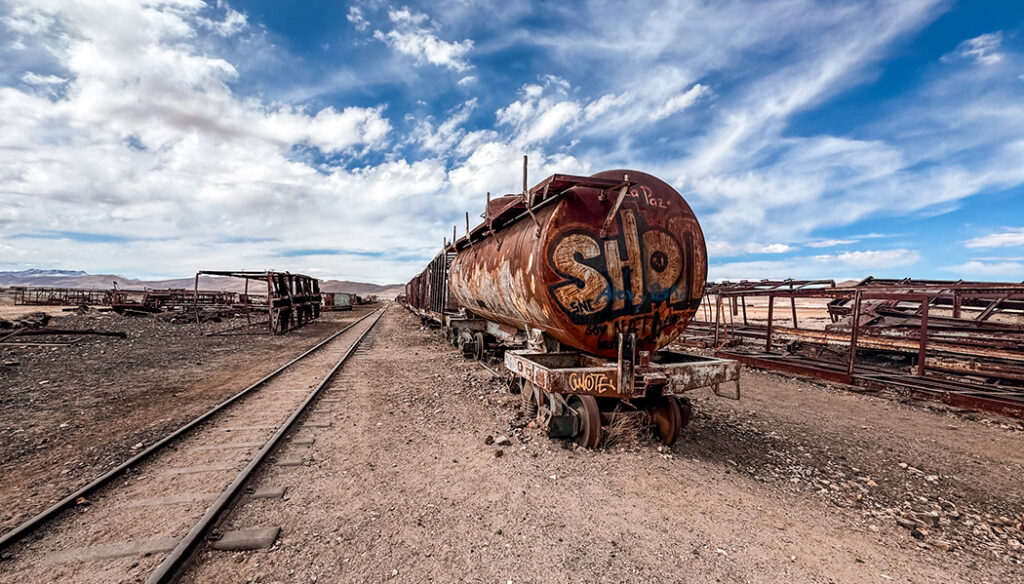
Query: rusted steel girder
pixel 292 300
pixel 587 258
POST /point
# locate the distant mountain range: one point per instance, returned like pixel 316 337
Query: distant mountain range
pixel 79 279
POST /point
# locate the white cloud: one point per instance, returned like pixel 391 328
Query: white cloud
pixel 233 23
pixel 133 118
pixel 830 242
pixel 448 134
pixel 982 49
pixel 844 266
pixel 541 112
pixel 999 270
pixel 414 35
pixel 1005 239
pixel 355 16
pixel 878 259
pixel 680 102
pixel 31 78
pixel 725 248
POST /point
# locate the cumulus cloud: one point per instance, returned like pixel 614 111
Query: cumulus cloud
pixel 231 24
pixel 413 34
pixel 141 118
pixel 541 112
pixel 355 16
pixel 446 135
pixel 1009 238
pixel 149 138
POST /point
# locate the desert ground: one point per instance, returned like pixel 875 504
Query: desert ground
pixel 430 472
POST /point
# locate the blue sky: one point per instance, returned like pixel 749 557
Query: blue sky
pixel 813 139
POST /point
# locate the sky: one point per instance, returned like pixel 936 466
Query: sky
pixel 813 139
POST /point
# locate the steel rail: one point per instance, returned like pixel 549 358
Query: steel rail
pixel 32 524
pixel 175 563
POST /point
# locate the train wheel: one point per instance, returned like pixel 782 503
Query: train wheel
pixel 685 411
pixel 478 347
pixel 667 418
pixel 590 416
pixel 530 400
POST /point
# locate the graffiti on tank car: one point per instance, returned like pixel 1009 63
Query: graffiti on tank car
pixel 590 382
pixel 645 194
pixel 630 273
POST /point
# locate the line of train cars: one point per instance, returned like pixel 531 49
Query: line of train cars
pixel 334 301
pixel 577 284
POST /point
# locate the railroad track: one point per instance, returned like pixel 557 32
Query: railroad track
pixel 143 520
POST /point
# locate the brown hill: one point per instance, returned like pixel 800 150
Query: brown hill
pixel 72 279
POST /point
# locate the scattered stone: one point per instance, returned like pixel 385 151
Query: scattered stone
pixel 502 441
pixel 931 517
pixel 906 523
pixel 499 453
pixel 942 545
pixel 489 440
pixel 247 539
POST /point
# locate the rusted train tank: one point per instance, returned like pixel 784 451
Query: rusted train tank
pixel 591 265
pixel 579 282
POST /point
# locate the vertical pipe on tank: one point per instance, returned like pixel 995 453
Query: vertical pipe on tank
pixel 526 187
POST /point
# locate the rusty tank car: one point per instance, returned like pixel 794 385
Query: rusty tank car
pixel 581 282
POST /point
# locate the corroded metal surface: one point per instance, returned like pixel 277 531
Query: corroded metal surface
pixel 573 373
pixel 594 263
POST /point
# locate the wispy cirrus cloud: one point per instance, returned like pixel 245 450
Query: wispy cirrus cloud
pixel 983 49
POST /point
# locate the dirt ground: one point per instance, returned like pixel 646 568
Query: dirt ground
pixel 69 413
pixel 797 482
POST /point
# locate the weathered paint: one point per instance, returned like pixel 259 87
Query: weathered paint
pixel 645 274
pixel 561 373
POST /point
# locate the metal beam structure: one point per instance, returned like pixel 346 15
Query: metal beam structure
pixel 964 341
pixel 291 301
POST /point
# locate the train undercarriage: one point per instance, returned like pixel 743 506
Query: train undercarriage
pixel 574 395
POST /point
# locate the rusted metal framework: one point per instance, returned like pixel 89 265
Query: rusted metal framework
pixel 31 296
pixel 152 300
pixel 428 293
pixel 962 342
pixel 336 301
pixel 291 301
